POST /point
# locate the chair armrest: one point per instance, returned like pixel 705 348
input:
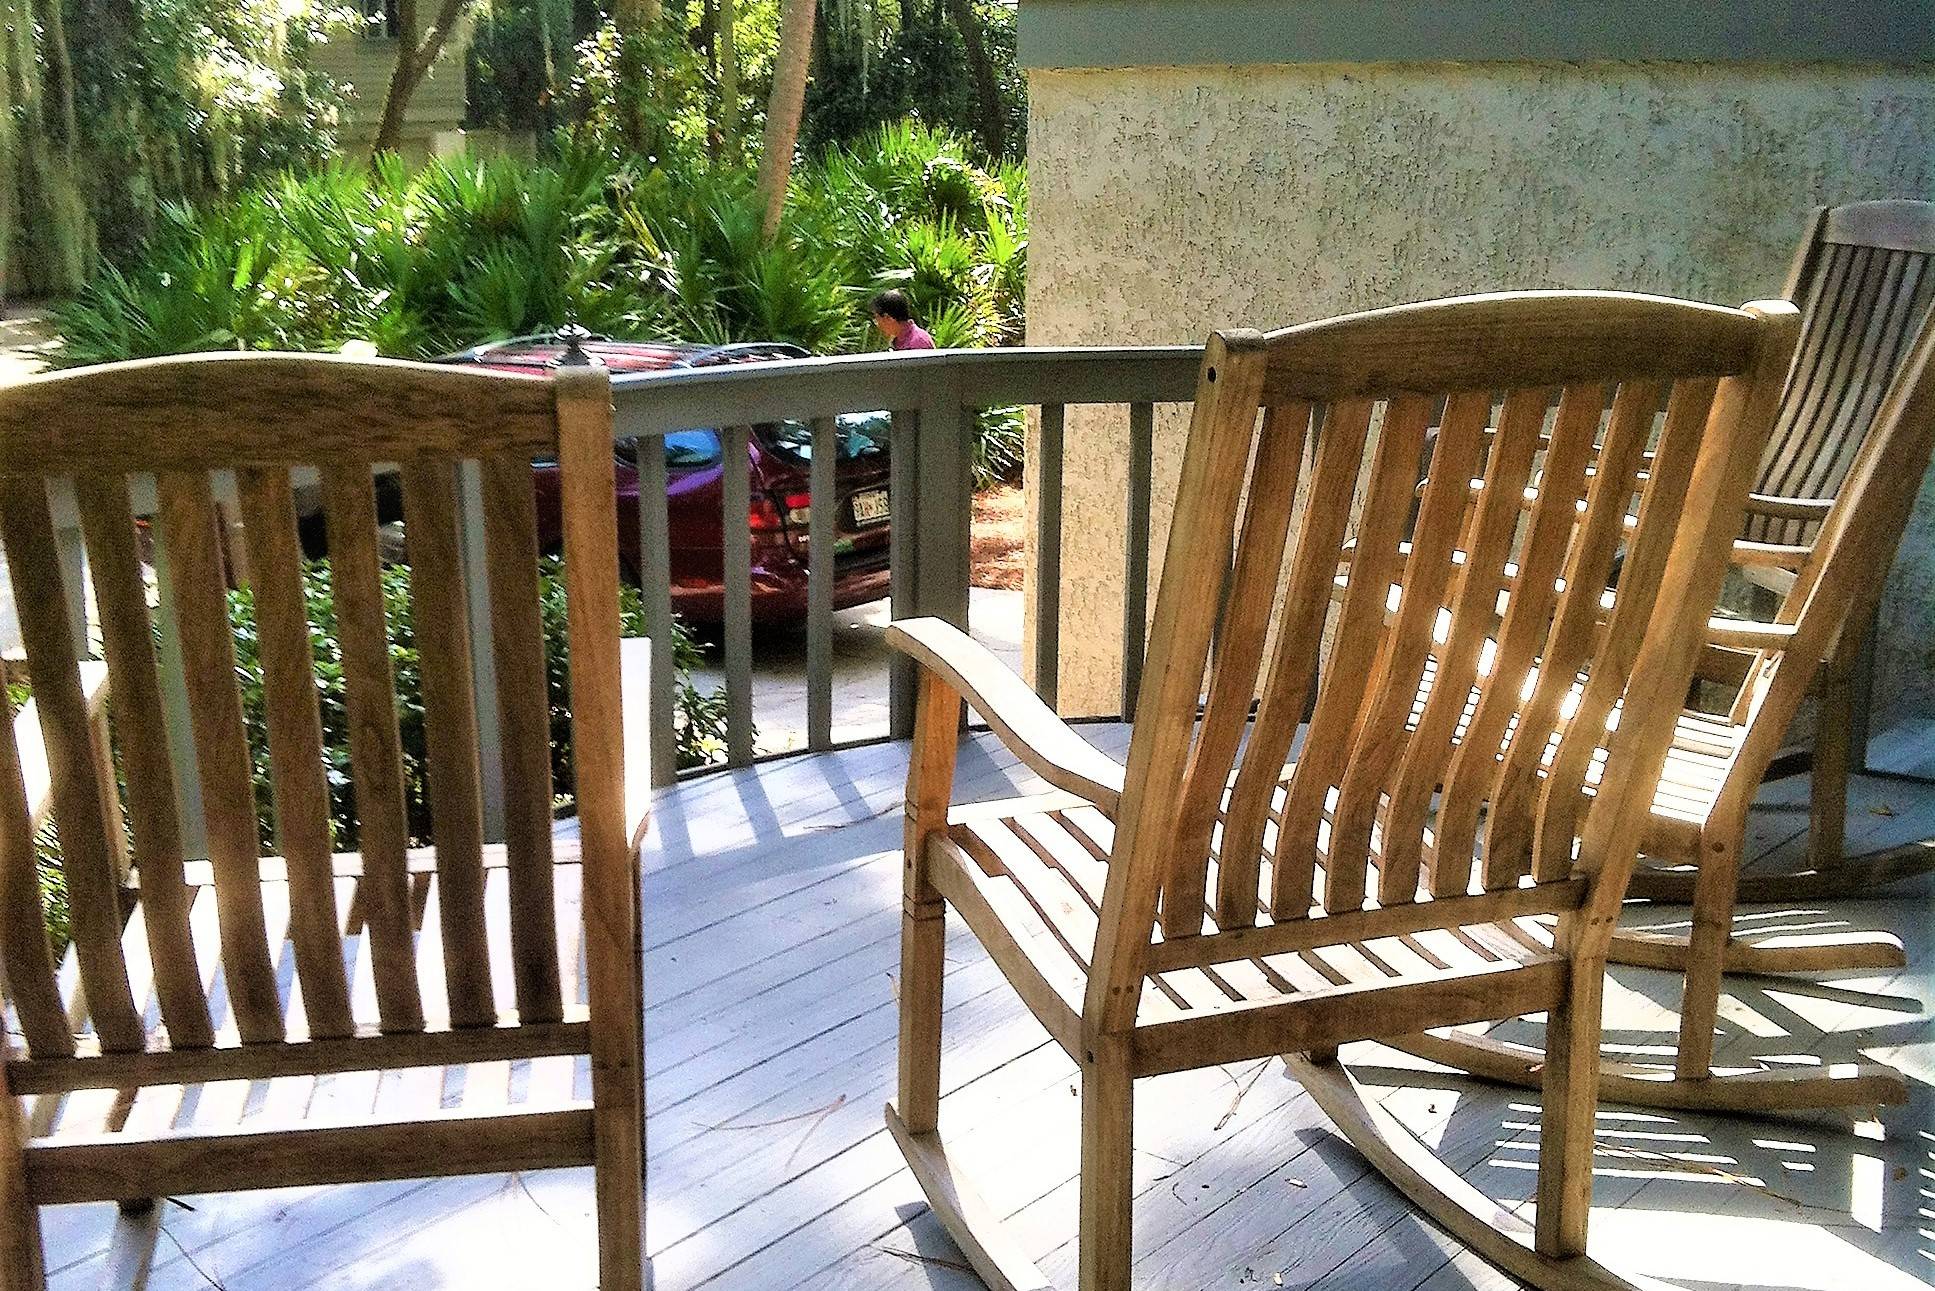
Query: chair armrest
pixel 634 703
pixel 1045 743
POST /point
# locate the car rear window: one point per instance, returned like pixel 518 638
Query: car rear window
pixel 687 450
pixel 857 435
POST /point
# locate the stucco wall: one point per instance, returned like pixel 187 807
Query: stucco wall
pixel 1166 202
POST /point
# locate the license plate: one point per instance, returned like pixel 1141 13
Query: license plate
pixel 870 507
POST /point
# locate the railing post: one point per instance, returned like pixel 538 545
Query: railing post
pixel 483 659
pixel 904 501
pixel 931 559
pixel 72 555
pixel 1048 557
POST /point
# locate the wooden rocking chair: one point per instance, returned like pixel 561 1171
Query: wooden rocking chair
pixel 178 990
pixel 1864 278
pixel 1214 900
pixel 1715 772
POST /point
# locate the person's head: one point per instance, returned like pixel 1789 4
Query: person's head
pixel 891 313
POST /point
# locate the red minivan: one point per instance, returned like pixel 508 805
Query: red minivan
pixel 781 496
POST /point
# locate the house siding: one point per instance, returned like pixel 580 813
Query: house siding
pixel 1168 201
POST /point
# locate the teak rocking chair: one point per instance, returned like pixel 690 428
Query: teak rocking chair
pixel 399 960
pixel 1700 816
pixel 1215 900
pixel 1864 278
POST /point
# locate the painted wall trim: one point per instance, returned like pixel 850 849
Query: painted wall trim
pixel 1176 33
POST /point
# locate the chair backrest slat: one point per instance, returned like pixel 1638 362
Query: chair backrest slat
pixel 198 582
pixel 1511 813
pixel 32 988
pixel 524 732
pixel 1865 279
pixel 1444 513
pixel 375 744
pixel 1339 714
pixel 1690 411
pixel 1522 642
pixel 291 713
pixel 438 603
pixel 1239 649
pixel 1286 682
pixel 1472 612
pixel 127 641
pixel 1839 586
pixel 80 811
pixel 1492 608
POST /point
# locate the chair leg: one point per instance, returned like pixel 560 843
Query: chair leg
pixel 1706 958
pixel 1827 797
pixel 619 1184
pixel 22 1265
pixel 1108 1181
pixel 1571 1092
pixel 922 951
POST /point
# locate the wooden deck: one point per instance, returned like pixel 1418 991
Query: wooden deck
pixel 772 924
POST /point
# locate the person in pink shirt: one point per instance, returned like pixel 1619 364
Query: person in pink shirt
pixel 896 322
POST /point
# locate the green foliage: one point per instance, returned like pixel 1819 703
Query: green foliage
pixel 171 100
pixel 882 73
pixel 53 879
pixel 699 717
pixel 423 262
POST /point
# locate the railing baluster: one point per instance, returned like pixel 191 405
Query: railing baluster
pixel 1135 553
pixel 819 584
pixel 1048 557
pixel 736 551
pixel 903 502
pixel 655 580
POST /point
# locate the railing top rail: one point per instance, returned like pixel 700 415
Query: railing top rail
pixel 740 393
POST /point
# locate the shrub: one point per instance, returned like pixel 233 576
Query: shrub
pixel 700 718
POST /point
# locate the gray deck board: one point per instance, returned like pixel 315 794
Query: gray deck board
pixel 772 932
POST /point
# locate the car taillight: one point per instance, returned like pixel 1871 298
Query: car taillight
pixel 767 517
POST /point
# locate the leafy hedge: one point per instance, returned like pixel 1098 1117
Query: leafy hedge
pixel 424 262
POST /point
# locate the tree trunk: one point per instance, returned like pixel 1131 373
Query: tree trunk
pixel 728 80
pixel 709 38
pixel 63 68
pixel 987 94
pixel 633 17
pixel 416 51
pixel 909 16
pixel 783 109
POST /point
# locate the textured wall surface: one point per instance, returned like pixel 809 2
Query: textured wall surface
pixel 1167 202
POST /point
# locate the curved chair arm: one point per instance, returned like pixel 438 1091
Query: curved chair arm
pixel 1045 743
pixel 1745 634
